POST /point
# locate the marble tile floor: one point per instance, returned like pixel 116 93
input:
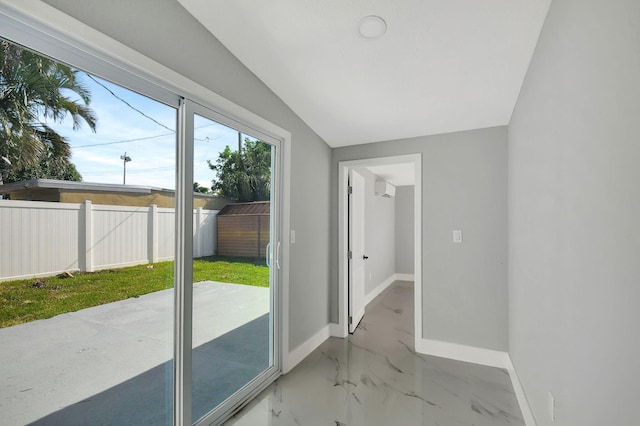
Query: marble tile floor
pixel 374 377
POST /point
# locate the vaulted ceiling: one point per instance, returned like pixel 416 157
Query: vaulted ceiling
pixel 441 66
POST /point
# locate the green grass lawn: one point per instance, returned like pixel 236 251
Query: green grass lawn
pixel 28 300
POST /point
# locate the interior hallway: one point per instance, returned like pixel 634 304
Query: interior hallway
pixel 374 377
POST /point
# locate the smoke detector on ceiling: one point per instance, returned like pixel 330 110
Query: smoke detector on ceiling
pixel 372 27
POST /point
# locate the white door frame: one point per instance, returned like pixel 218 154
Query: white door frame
pixel 342 328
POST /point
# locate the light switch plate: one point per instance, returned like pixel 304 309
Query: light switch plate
pixel 457 236
pixel 293 236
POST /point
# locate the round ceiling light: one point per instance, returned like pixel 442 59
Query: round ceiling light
pixel 372 27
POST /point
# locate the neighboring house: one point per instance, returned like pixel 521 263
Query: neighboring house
pixel 62 191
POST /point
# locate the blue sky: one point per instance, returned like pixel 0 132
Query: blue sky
pixel 149 141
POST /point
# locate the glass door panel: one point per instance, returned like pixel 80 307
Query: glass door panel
pixel 144 288
pixel 86 253
pixel 233 272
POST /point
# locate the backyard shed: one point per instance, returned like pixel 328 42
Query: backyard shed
pixel 244 229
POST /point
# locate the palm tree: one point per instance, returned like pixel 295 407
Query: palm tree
pixel 34 89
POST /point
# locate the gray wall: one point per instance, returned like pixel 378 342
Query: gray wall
pixel 165 32
pixel 574 206
pixel 404 230
pixel 463 187
pixel 379 235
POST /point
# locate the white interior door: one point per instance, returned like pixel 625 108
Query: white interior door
pixel 357 256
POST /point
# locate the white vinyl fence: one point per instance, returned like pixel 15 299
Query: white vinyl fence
pixel 41 238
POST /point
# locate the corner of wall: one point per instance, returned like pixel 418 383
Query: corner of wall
pixel 527 413
pixel 482 356
pixel 464 353
pixel 296 356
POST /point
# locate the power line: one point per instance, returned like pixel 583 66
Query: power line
pixel 207 139
pixel 106 172
pixel 125 141
pixel 130 171
pixel 128 104
pixel 150 170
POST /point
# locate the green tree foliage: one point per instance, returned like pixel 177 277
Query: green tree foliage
pixel 34 89
pixel 245 175
pixel 46 169
pixel 200 189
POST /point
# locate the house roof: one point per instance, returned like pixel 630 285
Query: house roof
pixel 54 184
pixel 256 208
pixel 8 188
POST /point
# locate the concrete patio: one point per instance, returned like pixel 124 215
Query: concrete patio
pixel 114 361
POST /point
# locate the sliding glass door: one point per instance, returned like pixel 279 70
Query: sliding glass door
pixel 87 177
pixel 139 259
pixel 231 171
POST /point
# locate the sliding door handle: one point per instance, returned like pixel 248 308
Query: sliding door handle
pixel 268 255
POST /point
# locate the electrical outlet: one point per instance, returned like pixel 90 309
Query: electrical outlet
pixel 457 236
pixel 552 407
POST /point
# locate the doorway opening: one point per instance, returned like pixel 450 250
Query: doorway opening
pixel 406 171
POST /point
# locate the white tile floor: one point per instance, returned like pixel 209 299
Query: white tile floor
pixel 374 377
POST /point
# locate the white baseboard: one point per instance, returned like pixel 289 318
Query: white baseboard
pixel 301 352
pixel 405 277
pixel 379 289
pixel 527 414
pixel 337 330
pixel 465 353
pixel 386 283
pixel 482 356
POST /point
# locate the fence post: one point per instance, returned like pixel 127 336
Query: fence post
pixel 198 233
pixel 152 234
pixel 88 237
pixel 214 232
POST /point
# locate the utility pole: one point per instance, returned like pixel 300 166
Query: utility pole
pixel 125 159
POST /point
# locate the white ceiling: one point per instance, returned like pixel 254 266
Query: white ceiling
pixel 442 66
